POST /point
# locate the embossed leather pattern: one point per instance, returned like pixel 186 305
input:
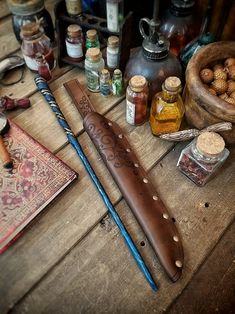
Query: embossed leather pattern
pixel 135 185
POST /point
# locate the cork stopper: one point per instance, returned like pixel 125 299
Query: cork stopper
pixel 137 83
pixel 91 34
pixel 30 29
pixel 210 144
pixel 104 72
pixel 172 84
pixel 74 30
pixel 93 53
pixel 113 41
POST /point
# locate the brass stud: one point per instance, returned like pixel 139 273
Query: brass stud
pixel 128 150
pixel 176 239
pixel 165 216
pixel 155 198
pixel 120 136
pixel 178 263
pixel 110 124
pixel 145 180
pixel 136 165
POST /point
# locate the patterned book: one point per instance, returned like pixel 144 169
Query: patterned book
pixel 37 178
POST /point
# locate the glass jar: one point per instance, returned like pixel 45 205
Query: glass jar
pixel 203 157
pixel 43 67
pixel 34 40
pixel 73 7
pixel 75 44
pixel 113 52
pixel 28 11
pixel 114 12
pixel 179 25
pixel 136 100
pixel 92 40
pixel 167 108
pixel 94 64
pixel 105 83
pixel 117 83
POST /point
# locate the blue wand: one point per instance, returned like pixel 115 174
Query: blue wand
pixel 44 89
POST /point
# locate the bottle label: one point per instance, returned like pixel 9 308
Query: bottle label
pixel 92 80
pixel 31 63
pixel 112 60
pixel 74 50
pixel 105 89
pixel 112 16
pixel 130 112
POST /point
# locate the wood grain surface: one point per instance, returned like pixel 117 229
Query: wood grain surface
pixel 72 259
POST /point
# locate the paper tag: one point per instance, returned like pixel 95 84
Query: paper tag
pixel 130 112
pixel 74 50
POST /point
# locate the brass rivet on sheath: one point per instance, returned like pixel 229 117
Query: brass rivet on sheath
pixel 120 136
pixel 178 263
pixel 110 124
pixel 136 165
pixel 145 180
pixel 176 239
pixel 155 198
pixel 128 150
pixel 165 216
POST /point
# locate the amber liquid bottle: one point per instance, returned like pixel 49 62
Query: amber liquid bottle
pixel 167 108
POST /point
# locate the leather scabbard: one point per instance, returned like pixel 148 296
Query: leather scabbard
pixel 134 183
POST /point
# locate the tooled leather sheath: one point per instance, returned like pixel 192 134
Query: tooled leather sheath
pixel 134 183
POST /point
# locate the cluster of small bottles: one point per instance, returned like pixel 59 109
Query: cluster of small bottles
pixel 167 107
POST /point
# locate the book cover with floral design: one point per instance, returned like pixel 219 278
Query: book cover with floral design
pixel 37 178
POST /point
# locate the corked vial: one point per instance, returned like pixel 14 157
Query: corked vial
pixel 136 100
pixel 113 52
pixel 74 41
pixel 202 158
pixel 92 40
pixel 94 64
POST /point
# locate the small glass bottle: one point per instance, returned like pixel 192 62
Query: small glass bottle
pixel 75 44
pixel 136 100
pixel 105 83
pixel 117 83
pixel 34 40
pixel 92 40
pixel 113 52
pixel 73 7
pixel 203 157
pixel 167 108
pixel 94 64
pixel 114 12
pixel 43 67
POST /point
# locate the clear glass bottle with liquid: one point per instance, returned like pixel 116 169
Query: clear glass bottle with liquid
pixel 202 158
pixel 117 83
pixel 136 100
pixel 105 83
pixel 94 64
pixel 167 108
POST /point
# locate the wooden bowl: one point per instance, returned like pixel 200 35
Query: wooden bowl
pixel 201 107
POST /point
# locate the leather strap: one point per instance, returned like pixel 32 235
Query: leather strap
pixel 134 183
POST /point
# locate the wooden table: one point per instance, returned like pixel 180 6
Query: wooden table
pixel 72 259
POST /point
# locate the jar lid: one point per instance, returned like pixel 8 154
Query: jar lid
pixel 93 53
pixel 172 84
pixel 91 34
pixel 19 7
pixel 137 83
pixel 30 29
pixel 74 30
pixel 113 41
pixel 210 144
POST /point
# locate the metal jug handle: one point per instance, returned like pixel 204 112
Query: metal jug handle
pixel 141 28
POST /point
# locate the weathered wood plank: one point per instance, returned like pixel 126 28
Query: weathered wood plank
pixel 73 214
pixel 99 275
pixel 212 289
